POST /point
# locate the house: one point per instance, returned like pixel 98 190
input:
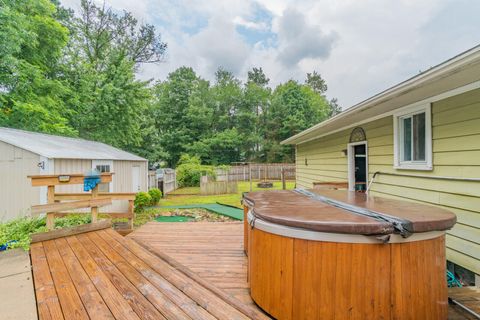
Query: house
pixel 418 140
pixel 24 153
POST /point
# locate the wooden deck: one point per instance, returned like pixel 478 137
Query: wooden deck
pixel 101 275
pixel 160 271
pixel 215 252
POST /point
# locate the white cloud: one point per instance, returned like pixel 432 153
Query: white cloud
pixel 260 26
pixel 359 47
pixel 299 40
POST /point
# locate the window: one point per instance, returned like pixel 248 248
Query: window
pixel 103 187
pixel 413 142
pixel 103 166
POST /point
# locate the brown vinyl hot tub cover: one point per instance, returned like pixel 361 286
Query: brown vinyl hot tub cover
pixel 293 209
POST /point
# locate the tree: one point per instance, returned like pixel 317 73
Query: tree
pixel 108 103
pixel 177 126
pixel 334 107
pixel 32 42
pixel 315 81
pixel 220 148
pixel 294 108
pixel 252 117
pixel 257 76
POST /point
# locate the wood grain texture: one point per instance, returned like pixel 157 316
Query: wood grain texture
pixel 101 275
pixel 303 279
pixel 214 251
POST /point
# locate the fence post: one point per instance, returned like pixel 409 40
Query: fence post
pixel 50 215
pixel 94 210
pixel 284 185
pixel 250 176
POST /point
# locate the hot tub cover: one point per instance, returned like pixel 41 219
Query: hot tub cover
pixel 291 208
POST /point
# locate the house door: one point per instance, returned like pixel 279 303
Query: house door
pixel 135 179
pixel 357 166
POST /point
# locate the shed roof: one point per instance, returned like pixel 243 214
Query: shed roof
pixel 58 147
pixel 452 75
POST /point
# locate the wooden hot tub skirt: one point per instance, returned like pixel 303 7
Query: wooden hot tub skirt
pixel 298 275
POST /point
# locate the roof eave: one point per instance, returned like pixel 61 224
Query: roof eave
pixel 438 71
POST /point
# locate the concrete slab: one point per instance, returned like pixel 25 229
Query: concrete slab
pixel 17 296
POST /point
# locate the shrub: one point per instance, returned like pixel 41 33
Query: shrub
pixel 17 232
pixel 190 169
pixel 155 194
pixel 142 200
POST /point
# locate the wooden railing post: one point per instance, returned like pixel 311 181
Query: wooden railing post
pixel 131 212
pixel 50 215
pixel 94 210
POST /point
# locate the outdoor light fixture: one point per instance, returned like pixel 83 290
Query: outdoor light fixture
pixel 306 161
pixel 345 152
pixel 64 178
pixel 41 165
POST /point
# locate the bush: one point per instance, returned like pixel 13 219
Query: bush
pixel 142 200
pixel 189 170
pixel 156 195
pixel 18 231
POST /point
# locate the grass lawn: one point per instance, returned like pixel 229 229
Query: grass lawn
pixel 191 195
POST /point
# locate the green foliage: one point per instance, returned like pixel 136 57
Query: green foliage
pixel 74 74
pixel 294 108
pixel 190 169
pixel 228 121
pixel 32 43
pixel 109 104
pixel 155 195
pixel 142 200
pixel 19 230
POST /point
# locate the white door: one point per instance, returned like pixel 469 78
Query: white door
pixel 135 179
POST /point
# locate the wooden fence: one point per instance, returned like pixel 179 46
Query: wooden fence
pixel 92 200
pixel 259 171
pixel 209 187
pixel 167 184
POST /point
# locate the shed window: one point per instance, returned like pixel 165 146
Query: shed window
pixel 413 143
pixel 103 187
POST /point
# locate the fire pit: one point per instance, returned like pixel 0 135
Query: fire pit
pixel 265 184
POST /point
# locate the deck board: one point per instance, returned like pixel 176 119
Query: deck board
pixel 102 275
pixel 212 250
pixel 215 252
pixel 160 271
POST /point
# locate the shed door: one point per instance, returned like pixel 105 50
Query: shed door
pixel 135 179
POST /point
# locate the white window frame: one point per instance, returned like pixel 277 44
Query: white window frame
pixel 398 138
pixel 351 163
pixel 96 163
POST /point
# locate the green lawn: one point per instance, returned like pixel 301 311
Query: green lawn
pixel 191 195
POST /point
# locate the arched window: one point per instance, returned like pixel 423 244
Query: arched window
pixel 357 135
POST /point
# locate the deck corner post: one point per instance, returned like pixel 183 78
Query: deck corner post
pixel 94 210
pixel 50 221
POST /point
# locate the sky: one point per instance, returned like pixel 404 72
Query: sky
pixel 359 47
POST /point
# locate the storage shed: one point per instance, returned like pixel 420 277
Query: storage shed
pixel 24 153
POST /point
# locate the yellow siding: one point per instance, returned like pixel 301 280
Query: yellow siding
pixel 16 193
pixel 456 153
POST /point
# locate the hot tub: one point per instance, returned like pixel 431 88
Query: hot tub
pixel 331 254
